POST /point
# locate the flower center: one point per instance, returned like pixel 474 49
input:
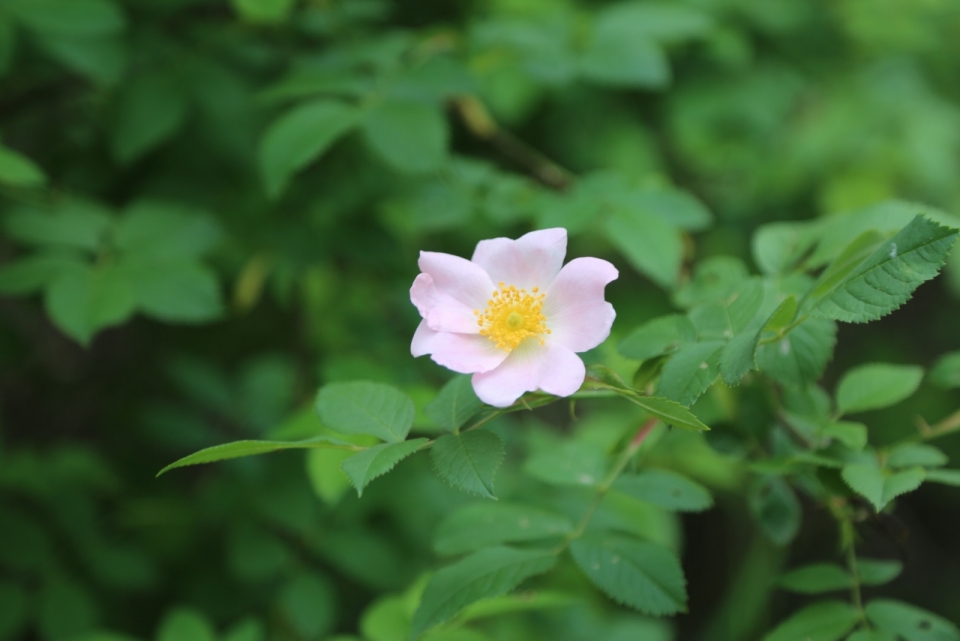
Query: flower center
pixel 512 315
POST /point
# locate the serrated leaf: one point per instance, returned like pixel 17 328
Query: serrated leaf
pixel 363 467
pixel 776 509
pixel 156 230
pixel 663 335
pixel 877 572
pixel 878 486
pixel 800 357
pixel 468 461
pixel 182 291
pixel 568 464
pixel 239 449
pixel 910 622
pixel 877 385
pixel 778 247
pixel 816 578
pixel 482 575
pixel 667 489
pixel 299 137
pixel 690 371
pixel 739 356
pixel 411 136
pixel 455 405
pixel 644 576
pixel 361 407
pixel 485 524
pixel 652 246
pixel 668 411
pixel 824 621
pixel 947 477
pixel 911 454
pixel 946 372
pixel 853 435
pixel 18 170
pixel 887 278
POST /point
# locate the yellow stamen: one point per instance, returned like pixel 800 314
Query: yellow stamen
pixel 512 315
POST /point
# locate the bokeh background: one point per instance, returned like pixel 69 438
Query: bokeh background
pixel 265 172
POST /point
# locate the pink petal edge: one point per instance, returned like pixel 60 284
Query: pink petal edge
pixel 443 312
pixel 463 353
pixel 531 366
pixel 578 316
pixel 533 260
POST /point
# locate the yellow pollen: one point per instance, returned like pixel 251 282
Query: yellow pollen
pixel 512 315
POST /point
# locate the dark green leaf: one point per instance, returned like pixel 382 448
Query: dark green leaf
pixel 663 335
pixel 775 508
pixel 366 408
pixel 154 230
pixel 411 136
pixel 18 170
pixel 69 17
pixel 877 572
pixel 880 486
pixel 239 449
pixel 30 275
pixel 625 60
pixel 468 461
pixel 824 621
pixel 455 405
pixel 877 385
pixel 667 489
pixel 816 578
pixel 152 108
pixel 74 224
pixel 910 622
pixel 309 604
pixel 376 461
pixel 175 291
pixel 479 525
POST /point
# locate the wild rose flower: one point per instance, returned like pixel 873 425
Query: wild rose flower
pixel 511 316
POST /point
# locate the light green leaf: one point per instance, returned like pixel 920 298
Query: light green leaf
pixel 778 247
pixel 485 524
pixel 247 629
pixel 824 621
pixel 482 575
pixel 878 572
pixel 518 602
pixel 853 435
pixel 625 60
pixel 800 357
pixel 946 372
pixel 455 405
pixel 151 109
pixel 776 509
pixel 366 408
pixel 568 463
pixel 667 489
pixel 411 136
pixel 82 300
pixel 155 230
pixel 670 412
pixel 910 622
pixel 299 137
pixel 644 576
pixel 69 17
pixel 911 454
pixel 239 449
pixel 74 224
pixel 388 619
pixel 376 461
pixel 887 278
pixel 877 385
pixel 31 274
pixel 947 477
pixel 653 247
pixel 175 291
pixel 849 259
pixel 816 578
pixel 18 170
pixel 675 206
pixel 690 372
pixel 879 487
pixel 663 335
pixel 103 59
pixel 468 461
pixel 185 624
pixel 327 479
pixel 663 21
pixel 783 315
pixel 714 278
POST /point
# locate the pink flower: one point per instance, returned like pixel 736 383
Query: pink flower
pixel 511 316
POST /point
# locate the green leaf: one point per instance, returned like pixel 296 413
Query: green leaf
pixel 783 315
pixel 154 230
pixel 816 578
pixel 642 575
pixel 376 461
pixel 185 624
pixel 69 17
pixel 468 461
pixel 877 385
pixel 670 412
pixel 887 278
pixel 519 602
pixel 824 621
pixel 388 619
pixel 690 372
pixel 878 486
pixel 620 59
pixel 151 109
pixel 309 605
pixel 568 463
pixel 910 622
pixel 299 137
pixel 778 247
pixel 239 449
pixel 663 335
pixel 18 170
pixel 946 372
pixel 485 524
pixel 878 572
pixel 799 358
pixel 410 136
pixel 263 11
pixel 81 301
pixel 776 509
pixel 482 575
pixel 175 291
pixel 871 635
pixel 75 224
pixel 663 21
pixel 853 435
pixel 911 454
pixel 676 207
pixel 103 59
pixel 366 408
pixel 713 279
pixel 653 247
pixel 67 609
pixel 455 405
pixel 667 489
pixel 947 477
pixel 33 273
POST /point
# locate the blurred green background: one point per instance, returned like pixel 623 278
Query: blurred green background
pixel 211 208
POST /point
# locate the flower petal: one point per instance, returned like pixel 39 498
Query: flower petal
pixel 463 353
pixel 577 315
pixel 458 278
pixel 533 260
pixel 531 366
pixel 443 312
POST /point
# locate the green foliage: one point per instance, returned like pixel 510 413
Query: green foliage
pixel 240 449
pixel 823 621
pixel 776 509
pixel 909 622
pixel 876 572
pixel 376 461
pixel 366 408
pixel 469 461
pixel 667 489
pixel 880 486
pixel 18 170
pixel 876 385
pixel 816 578
pixel 479 525
pixel 455 405
pixel 946 371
